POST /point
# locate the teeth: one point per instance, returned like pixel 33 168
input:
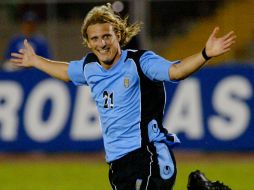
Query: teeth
pixel 103 51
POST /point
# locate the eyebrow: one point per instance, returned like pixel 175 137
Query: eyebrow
pixel 93 37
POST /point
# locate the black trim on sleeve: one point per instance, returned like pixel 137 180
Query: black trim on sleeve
pixel 90 57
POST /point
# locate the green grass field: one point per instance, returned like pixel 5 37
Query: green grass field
pixel 83 174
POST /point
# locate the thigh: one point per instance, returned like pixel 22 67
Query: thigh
pixel 130 172
pixel 163 172
pixel 140 170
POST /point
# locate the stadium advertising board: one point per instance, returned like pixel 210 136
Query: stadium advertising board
pixel 212 110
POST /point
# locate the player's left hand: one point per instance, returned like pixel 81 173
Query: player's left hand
pixel 216 46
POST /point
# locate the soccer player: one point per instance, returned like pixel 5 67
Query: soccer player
pixel 127 86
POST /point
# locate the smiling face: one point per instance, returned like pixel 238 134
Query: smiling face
pixel 104 43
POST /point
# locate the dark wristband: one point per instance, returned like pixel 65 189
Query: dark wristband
pixel 205 55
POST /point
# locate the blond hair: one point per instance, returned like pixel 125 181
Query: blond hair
pixel 105 14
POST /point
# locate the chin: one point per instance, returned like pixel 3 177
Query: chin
pixel 103 58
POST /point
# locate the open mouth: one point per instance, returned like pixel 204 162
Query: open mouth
pixel 104 51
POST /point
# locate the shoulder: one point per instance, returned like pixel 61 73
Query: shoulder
pixel 90 58
pixel 135 54
pixel 140 55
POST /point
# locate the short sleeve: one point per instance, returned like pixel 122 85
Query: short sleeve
pixel 155 67
pixel 76 72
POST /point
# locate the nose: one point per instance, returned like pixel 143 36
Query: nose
pixel 102 43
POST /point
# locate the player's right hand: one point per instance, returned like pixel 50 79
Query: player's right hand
pixel 26 56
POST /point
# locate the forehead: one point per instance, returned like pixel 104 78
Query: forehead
pixel 99 29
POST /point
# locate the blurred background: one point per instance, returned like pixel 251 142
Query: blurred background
pixel 50 135
pixel 173 28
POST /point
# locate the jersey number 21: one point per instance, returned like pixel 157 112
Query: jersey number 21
pixel 108 99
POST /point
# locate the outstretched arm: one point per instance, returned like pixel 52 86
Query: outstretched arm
pixel 215 46
pixel 27 58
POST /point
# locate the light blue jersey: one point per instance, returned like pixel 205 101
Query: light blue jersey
pixel 122 101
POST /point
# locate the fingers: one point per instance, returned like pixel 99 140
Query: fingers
pixel 215 31
pixel 22 51
pixel 17 58
pixel 16 61
pixel 220 45
pixel 228 45
pixel 17 55
pixel 230 38
pixel 229 35
pixel 27 45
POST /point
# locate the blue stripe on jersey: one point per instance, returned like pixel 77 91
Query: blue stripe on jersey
pixel 117 94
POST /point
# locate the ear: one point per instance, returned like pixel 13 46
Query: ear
pixel 118 35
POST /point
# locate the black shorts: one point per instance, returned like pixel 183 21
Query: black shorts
pixel 141 170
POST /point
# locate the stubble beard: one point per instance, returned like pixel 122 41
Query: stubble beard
pixel 110 62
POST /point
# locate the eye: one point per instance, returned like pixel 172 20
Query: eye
pixel 94 39
pixel 107 37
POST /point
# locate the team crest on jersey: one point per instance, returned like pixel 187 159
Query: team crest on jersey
pixel 126 82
